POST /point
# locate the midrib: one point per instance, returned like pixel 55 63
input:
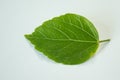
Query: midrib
pixel 70 40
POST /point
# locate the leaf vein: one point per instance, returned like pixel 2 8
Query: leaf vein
pixel 79 28
pixel 42 34
pixel 70 40
pixel 64 34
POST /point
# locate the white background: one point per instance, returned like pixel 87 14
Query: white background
pixel 20 61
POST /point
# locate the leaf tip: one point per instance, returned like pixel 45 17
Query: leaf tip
pixel 27 36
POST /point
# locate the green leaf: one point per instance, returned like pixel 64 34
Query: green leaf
pixel 68 39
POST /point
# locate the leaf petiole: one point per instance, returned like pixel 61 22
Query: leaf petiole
pixel 107 40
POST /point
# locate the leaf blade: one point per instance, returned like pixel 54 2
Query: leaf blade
pixel 68 39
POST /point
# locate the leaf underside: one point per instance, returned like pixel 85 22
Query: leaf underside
pixel 68 39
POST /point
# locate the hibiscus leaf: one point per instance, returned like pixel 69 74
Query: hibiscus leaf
pixel 68 39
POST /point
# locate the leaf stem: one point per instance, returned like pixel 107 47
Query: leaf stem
pixel 107 40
